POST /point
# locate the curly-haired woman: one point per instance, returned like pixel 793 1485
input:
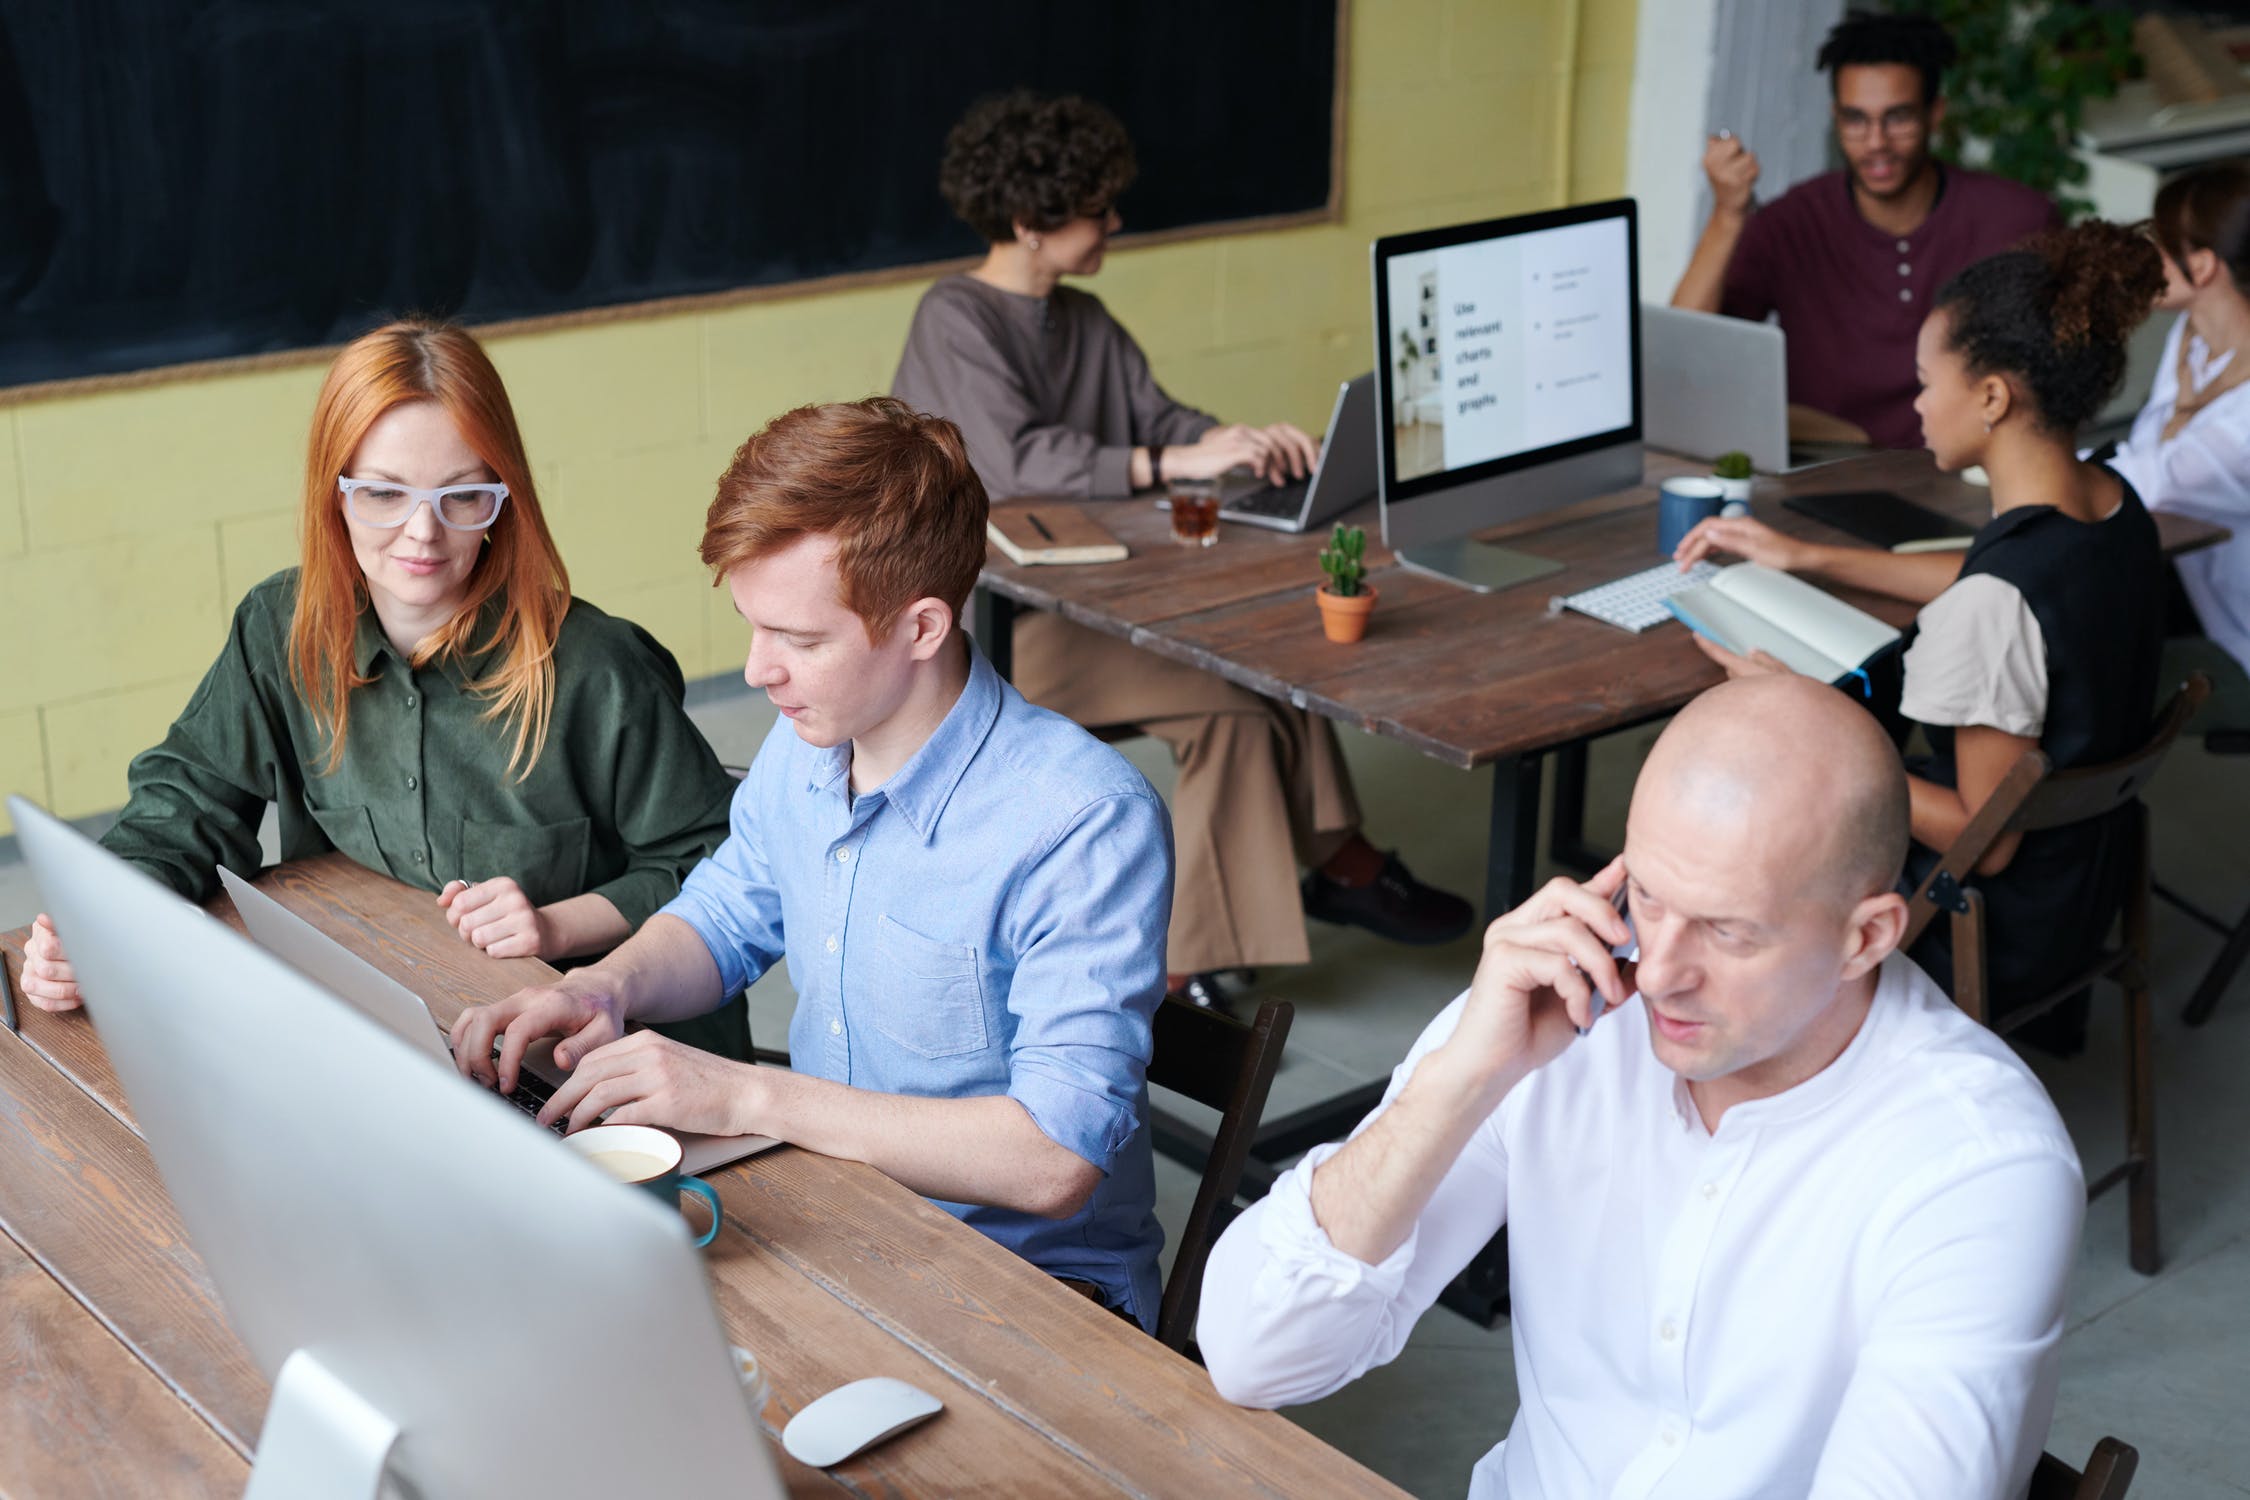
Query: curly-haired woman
pixel 1055 398
pixel 2047 631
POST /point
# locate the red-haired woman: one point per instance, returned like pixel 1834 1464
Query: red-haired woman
pixel 422 692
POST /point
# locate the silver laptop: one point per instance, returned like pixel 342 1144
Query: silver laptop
pixel 1712 384
pixel 404 1014
pixel 1343 477
pixel 447 1303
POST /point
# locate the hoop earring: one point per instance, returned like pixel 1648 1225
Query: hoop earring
pixel 1988 427
pixel 1031 241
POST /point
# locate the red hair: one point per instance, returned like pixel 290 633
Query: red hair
pixel 399 363
pixel 892 485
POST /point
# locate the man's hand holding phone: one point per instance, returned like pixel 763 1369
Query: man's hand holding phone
pixel 1546 976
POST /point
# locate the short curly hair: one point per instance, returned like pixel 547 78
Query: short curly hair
pixel 1034 159
pixel 2055 313
pixel 1866 37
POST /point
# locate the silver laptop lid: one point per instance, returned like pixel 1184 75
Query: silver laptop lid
pixel 1715 384
pixel 342 1207
pixel 332 966
pixel 1346 475
pixel 404 1014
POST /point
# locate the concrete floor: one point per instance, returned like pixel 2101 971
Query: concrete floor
pixel 2162 1362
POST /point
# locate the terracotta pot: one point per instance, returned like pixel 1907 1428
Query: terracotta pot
pixel 1345 620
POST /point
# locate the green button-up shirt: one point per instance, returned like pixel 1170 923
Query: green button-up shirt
pixel 624 800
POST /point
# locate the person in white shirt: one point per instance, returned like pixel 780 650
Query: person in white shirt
pixel 1785 1223
pixel 2189 450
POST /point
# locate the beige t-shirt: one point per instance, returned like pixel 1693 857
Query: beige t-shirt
pixel 1979 659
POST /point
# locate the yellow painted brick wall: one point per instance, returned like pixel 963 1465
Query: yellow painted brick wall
pixel 131 522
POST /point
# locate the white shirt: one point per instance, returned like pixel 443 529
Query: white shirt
pixel 2203 472
pixel 1853 1288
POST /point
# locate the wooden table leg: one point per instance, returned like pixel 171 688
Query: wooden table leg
pixel 993 622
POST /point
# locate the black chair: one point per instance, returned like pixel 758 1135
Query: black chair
pixel 2234 946
pixel 2029 798
pixel 2109 1474
pixel 1226 1065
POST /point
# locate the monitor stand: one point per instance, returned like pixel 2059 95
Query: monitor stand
pixel 1475 565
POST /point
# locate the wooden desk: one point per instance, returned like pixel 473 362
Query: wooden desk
pixel 123 1377
pixel 1468 679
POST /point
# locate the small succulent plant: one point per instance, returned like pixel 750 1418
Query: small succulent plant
pixel 1344 560
pixel 1732 466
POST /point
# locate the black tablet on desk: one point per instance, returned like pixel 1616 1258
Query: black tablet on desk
pixel 1883 519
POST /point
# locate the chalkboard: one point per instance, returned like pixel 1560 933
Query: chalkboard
pixel 185 180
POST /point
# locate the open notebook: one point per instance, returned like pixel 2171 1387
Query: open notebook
pixel 1749 608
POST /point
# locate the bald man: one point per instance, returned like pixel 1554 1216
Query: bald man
pixel 1782 1221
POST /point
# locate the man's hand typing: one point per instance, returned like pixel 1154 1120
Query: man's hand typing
pixel 583 1008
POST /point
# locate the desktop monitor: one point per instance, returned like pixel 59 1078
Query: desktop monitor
pixel 448 1300
pixel 1508 360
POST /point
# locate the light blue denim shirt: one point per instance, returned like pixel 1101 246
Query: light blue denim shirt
pixel 989 921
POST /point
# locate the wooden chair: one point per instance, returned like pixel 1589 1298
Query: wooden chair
pixel 2109 1474
pixel 2030 798
pixel 1226 1065
pixel 2234 946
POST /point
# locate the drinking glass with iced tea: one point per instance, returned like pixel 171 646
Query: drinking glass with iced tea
pixel 1195 511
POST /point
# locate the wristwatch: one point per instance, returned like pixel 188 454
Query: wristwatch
pixel 1155 467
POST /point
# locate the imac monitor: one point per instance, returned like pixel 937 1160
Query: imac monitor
pixel 1508 359
pixel 448 1300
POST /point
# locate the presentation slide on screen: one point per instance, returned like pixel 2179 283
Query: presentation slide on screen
pixel 1508 345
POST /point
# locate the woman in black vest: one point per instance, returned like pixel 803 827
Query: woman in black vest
pixel 2047 631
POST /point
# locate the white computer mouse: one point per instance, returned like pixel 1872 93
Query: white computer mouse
pixel 855 1417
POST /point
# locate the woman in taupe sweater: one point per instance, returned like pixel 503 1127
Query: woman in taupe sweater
pixel 1055 398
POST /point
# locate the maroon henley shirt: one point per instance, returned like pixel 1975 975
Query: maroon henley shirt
pixel 1852 298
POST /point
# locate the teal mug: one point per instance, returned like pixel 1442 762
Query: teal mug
pixel 646 1158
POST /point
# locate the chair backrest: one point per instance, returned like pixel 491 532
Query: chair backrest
pixel 2087 792
pixel 2033 797
pixel 1226 1065
pixel 2109 1474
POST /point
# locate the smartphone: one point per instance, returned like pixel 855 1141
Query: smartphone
pixel 1625 966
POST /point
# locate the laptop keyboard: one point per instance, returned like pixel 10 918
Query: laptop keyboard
pixel 531 1096
pixel 1282 501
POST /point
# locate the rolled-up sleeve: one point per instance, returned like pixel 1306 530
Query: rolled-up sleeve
pixel 730 899
pixel 1286 1317
pixel 1090 920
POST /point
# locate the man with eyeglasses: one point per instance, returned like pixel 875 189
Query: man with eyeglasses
pixel 1850 259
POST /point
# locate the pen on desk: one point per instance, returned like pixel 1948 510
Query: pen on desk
pixel 1039 526
pixel 7 998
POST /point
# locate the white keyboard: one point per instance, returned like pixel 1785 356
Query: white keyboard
pixel 1636 601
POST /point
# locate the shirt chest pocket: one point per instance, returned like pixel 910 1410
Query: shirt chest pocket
pixel 547 859
pixel 929 998
pixel 351 831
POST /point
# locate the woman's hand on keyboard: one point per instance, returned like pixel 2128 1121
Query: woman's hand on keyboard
pixel 1753 541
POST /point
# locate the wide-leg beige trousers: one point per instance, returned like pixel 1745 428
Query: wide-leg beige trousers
pixel 1262 788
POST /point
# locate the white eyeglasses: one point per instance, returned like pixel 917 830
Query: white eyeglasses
pixel 463 507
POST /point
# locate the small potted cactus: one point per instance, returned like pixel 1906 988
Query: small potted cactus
pixel 1732 471
pixel 1345 599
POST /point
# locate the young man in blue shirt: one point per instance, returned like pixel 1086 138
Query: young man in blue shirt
pixel 971 892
